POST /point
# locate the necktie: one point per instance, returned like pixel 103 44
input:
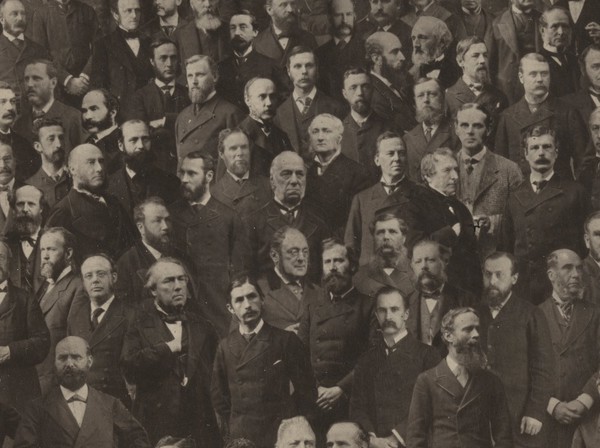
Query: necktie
pixel 19 43
pixel 296 289
pixel 428 131
pixel 173 318
pixel 130 34
pixel 335 298
pixel 95 316
pixel 306 101
pixel 477 88
pixel 4 188
pixel 266 127
pixel 470 163
pixel 76 397
pixel 168 30
pixel 341 44
pixel 249 337
pixel 240 60
pixel 435 295
pixel 30 240
pixel 240 182
pixel 539 185
pixel 566 309
pixel 390 188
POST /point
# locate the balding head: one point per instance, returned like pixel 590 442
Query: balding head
pixel 86 165
pixel 295 431
pixel 431 38
pixel 72 362
pixel 564 271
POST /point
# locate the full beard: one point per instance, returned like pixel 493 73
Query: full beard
pixel 139 162
pixel 428 282
pixel 52 270
pixel 361 107
pixel 162 244
pixel 429 114
pixel 390 255
pixel 71 378
pixel 208 22
pixel 482 76
pixel 494 297
pixel 198 94
pixel 336 282
pixel 470 356
pixel 193 195
pixel 26 225
pixel 398 77
pixel 101 125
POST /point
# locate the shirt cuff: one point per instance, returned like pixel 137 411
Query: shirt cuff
pixel 84 76
pixel 399 437
pixel 67 79
pixel 586 400
pixel 551 405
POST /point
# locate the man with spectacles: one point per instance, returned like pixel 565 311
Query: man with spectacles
pixel 101 319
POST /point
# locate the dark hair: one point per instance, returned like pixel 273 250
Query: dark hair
pixel 444 251
pixel 386 290
pixel 209 162
pixel 44 123
pixel 226 133
pixel 159 42
pixel 480 108
pixel 514 263
pixel 388 216
pixel 300 49
pixel 350 252
pixel 110 101
pixel 51 69
pixel 128 122
pixel 387 135
pixel 537 131
pixel 113 266
pixel 354 71
pixel 245 12
pixel 420 81
pixel 464 45
pixel 591 217
pixel 240 280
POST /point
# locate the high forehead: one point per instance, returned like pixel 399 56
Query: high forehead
pixel 338 6
pixel 467 319
pixel 335 251
pixel 168 269
pixel 389 42
pixel 199 66
pixel 5 149
pixel 302 58
pixel 392 223
pixel 342 431
pixel 134 128
pixel 391 144
pixel 95 263
pixel 12 5
pixel 294 238
pixel 358 78
pixel 593 56
pixel 277 3
pixel 531 65
pixel 427 86
pixel 477 48
pixel 502 264
pixel 155 210
pixel 555 16
pixel 426 250
pixel 289 161
pixel 298 431
pixel 52 238
pixel 443 161
pixel 128 4
pixel 236 139
pixel 76 346
pixel 322 122
pixel 243 290
pixel 7 94
pixel 471 115
pixel 37 68
pixel 94 97
pixel 545 139
pixel 168 48
pixel 390 299
pixel 567 257
pixel 85 152
pixel 595 117
pixel 593 225
pixel 189 164
pixel 261 86
pixel 51 130
pixel 424 27
pixel 240 19
pixel 28 193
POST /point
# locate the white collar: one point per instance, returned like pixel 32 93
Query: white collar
pixel 555 297
pixel 12 38
pixel 434 127
pixel 552 49
pixel 82 392
pixel 246 53
pixel 47 107
pixel 342 296
pixel 337 40
pixel 389 182
pixel 256 329
pixel 4 284
pixel 156 254
pixel 100 135
pixel 283 278
pixel 11 184
pixel 104 306
pixel 516 10
pixel 382 79
pixel 130 172
pixel 132 31
pixel 453 365
pixel 311 95
pixel 203 201
pixel 505 301
pixel 358 119
pixel 474 13
pixel 534 176
pixel 480 155
pixel 398 337
pixel 324 165
pixel 161 84
pixel 58 173
pixel 170 21
pixel 277 30
pixel 246 176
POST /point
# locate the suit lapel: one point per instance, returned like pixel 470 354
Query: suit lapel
pixel 555 333
pixel 488 175
pixel 506 28
pixel 288 121
pixel 205 114
pixel 472 390
pixel 529 199
pixel 58 410
pixel 446 380
pixel 120 50
pixel 48 301
pixel 255 347
pixel 579 322
pixel 196 339
pixel 110 323
pixel 90 421
pixel 463 93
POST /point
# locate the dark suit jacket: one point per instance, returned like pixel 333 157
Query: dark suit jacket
pixel 446 70
pixel 154 182
pixel 24 273
pixel 251 383
pixel 199 131
pixel 116 68
pixel 383 385
pixel 371 277
pixel 576 358
pixel 564 79
pixel 162 405
pixel 113 156
pixel 53 191
pixel 582 102
pixel 188 41
pixel 519 351
pixel 215 239
pixel 28 159
pixel 483 30
pixel 291 121
pixel 444 414
pixel 591 280
pixel 332 192
pixel 106 342
pixel 48 422
pixel 25 333
pixel 281 307
pixel 454 24
pixel 571 133
pixel 396 110
pixel 9 421
pixel 266 43
pixel 55 306
pixel 428 216
pixel 244 199
pixel 97 227
pixel 153 29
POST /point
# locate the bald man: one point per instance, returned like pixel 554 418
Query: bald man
pixel 96 219
pixel 75 414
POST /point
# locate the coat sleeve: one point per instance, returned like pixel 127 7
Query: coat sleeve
pixel 99 65
pixel 353 233
pixel 221 396
pixel 300 372
pixel 500 417
pixel 27 435
pixel 359 399
pixel 129 431
pixel 420 414
pixel 502 140
pixel 35 347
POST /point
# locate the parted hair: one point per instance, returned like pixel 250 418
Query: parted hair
pixel 514 263
pixel 387 290
pixel 537 131
pixel 240 280
pixel 465 44
pixel 476 106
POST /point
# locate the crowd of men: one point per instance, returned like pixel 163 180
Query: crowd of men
pixel 284 223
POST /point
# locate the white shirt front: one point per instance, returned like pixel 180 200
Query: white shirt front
pixel 282 41
pixel 575 8
pixel 12 38
pixel 3 285
pixel 255 331
pixel 77 408
pixel 300 99
pixel 134 44
pixel 27 247
pixel 537 177
pixel 4 203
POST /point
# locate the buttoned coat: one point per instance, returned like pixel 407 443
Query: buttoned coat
pixel 97 227
pixel 591 280
pixel 162 404
pixel 371 277
pixel 571 133
pixel 246 198
pixel 215 239
pixel 576 358
pixel 398 110
pixel 55 306
pixel 49 423
pixel 504 54
pixel 251 383
pixel 106 342
pixel 281 308
pixel 383 385
pixel 24 332
pixel 266 43
pixel 199 131
pixel 443 414
pixel 53 191
pixel 519 351
pixel 417 146
pixel 564 79
pixel 295 124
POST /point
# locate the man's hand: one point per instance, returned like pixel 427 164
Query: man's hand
pixel 77 86
pixel 4 354
pixel 456 228
pixel 328 396
pixel 577 407
pixel 530 425
pixel 384 442
pixel 174 345
pixel 563 414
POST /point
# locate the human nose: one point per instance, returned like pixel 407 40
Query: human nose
pixel 475 333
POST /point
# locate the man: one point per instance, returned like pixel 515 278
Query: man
pixel 345 50
pixel 255 368
pixel 475 85
pixel 486 180
pixel 260 95
pixel 296 113
pixel 431 47
pixel 286 287
pixel 591 269
pixel 564 310
pixel 67 30
pixel 336 328
pixel 160 101
pixel 391 89
pixel 244 62
pixel 99 109
pixel 584 101
pixel 27 158
pixel 9 185
pixel 332 179
pixel 197 126
pixel 27 208
pixel 40 80
pixel 73 412
pixel 519 349
pixel 555 28
pixel 476 19
pixel 239 188
pixel 386 16
pixel 538 107
pixel 435 212
pixel 458 401
pixel 167 21
pixel 97 220
pixel 433 9
pixel 24 340
pixel 178 348
pixel 384 376
pixel 139 178
pixel 295 431
pixel 434 130
pixel 101 319
pixel 210 233
pixel 283 33
pixel 546 200
pixel 16 50
pixel 362 126
pixel 515 33
pixel 389 263
pixel 393 187
pixel 62 284
pixel 52 178
pixel 205 34
pixel 348 434
pixel 121 59
pixel 585 19
pixel 288 183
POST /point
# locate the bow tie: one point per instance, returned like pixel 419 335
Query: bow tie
pixel 130 34
pixel 284 35
pixel 478 87
pixel 433 65
pixel 173 318
pixel 435 295
pixel 76 397
pixel 30 240
pixel 286 209
pixel 4 188
pixel 6 138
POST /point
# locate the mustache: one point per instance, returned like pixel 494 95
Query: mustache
pixel 389 324
pixel 9 115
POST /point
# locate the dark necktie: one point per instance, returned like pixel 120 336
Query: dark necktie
pixel 539 184
pixel 249 337
pixel 130 34
pixel 76 397
pixel 173 318
pixel 470 163
pixel 566 309
pixel 306 102
pixel 168 30
pixel 341 44
pixel 95 316
pixel 477 88
pixel 391 188
pixel 435 295
pixel 428 133
pixel 266 127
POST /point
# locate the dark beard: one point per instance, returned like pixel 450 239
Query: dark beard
pixel 193 195
pixel 139 162
pixel 26 225
pixel 71 377
pixel 103 124
pixel 470 356
pixel 49 270
pixel 493 296
pixel 399 78
pixel 164 247
pixel 427 282
pixel 336 282
pixel 361 107
pixel 239 44
pixel 387 256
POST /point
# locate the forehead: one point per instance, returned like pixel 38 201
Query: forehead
pixel 593 56
pixel 391 144
pixel 426 250
pixel 393 298
pixel 236 138
pixel 243 290
pixel 534 66
pixel 86 152
pixel 342 5
pixel 427 86
pixel 302 58
pixel 567 257
pixel 49 130
pixel 152 210
pixel 94 263
pixel 298 432
pixel 342 431
pixel 7 94
pixel 389 42
pixel 290 162
pixel 167 269
pixel 388 224
pixel 240 19
pixel 261 86
pixel 134 129
pixel 359 78
pixel 75 347
pixel 465 320
pixel 294 239
pixel 13 5
pixel 277 3
pixel 193 164
pixel 93 98
pixel 322 122
pixel 476 48
pixel 337 251
pixel 166 49
pixel 28 194
pixel 500 264
pixel 595 118
pixel 200 66
pixel 52 238
pixel 556 16
pixel 541 140
pixel 441 162
pixel 422 27
pixel 5 150
pixel 37 68
pixel 470 116
pixel 594 224
pixel 128 4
